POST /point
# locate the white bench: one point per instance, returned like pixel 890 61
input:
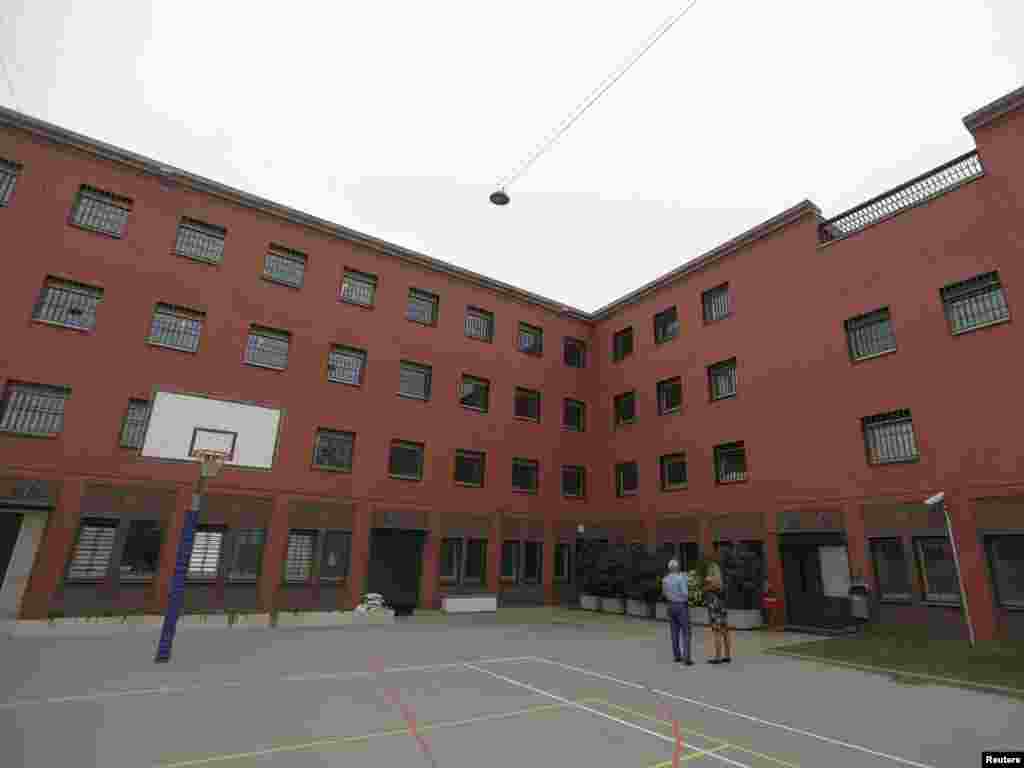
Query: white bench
pixel 470 604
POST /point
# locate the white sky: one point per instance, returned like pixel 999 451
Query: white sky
pixel 397 118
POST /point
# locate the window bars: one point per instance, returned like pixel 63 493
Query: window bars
pixel 267 348
pixel 203 242
pixel 358 288
pixel 889 437
pixel 479 324
pixel 730 463
pixel 63 302
pixel 285 266
pixel 334 449
pixel 8 176
pixel 33 409
pixel 974 303
pixel 870 335
pixel 723 379
pixel 422 307
pixel 345 365
pixel 133 430
pixel 474 393
pixel 716 303
pixel 93 550
pixel 469 468
pixel 205 560
pixel 299 562
pixel 101 211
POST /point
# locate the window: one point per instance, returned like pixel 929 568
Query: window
pixel 358 288
pixel 891 569
pixel 889 438
pixel 246 555
pixel 938 571
pixel 666 325
pixel 730 463
pixel 414 380
pixel 176 327
pixel 70 304
pixel 870 335
pixel 574 415
pixel 479 324
pixel 476 561
pixel 622 344
pixel 451 559
pixel 335 558
pixel 975 303
pixel 93 550
pixel 8 176
pixel 33 409
pixel 1006 556
pixel 575 353
pixel 525 475
pixel 475 393
pixel 625 408
pixel 133 430
pixel 469 468
pixel 422 307
pixel 722 379
pixel 283 265
pixel 510 560
pixel 716 303
pixel 406 460
pixel 345 365
pixel 333 450
pixel 463 561
pixel 627 478
pixel 673 471
pixel 531 339
pixel 670 396
pixel 200 241
pixel 267 348
pixel 574 482
pixel 298 567
pixel 101 211
pixel 527 404
pixel 140 557
pixel 533 562
pixel 563 562
pixel 204 563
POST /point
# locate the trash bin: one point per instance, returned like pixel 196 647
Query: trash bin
pixel 860 602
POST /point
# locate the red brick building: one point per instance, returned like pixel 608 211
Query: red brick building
pixel 804 385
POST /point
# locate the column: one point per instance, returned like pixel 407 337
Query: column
pixel 773 568
pixel 169 549
pixel 548 565
pixel 23 557
pixel 54 552
pixel 856 542
pixel 431 573
pixel 980 600
pixel 706 535
pixel 274 549
pixel 494 555
pixel 359 564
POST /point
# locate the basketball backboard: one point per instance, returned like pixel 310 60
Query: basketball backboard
pixel 181 425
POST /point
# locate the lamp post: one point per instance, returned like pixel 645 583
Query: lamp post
pixel 938 501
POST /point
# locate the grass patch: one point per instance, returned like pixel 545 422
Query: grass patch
pixel 910 652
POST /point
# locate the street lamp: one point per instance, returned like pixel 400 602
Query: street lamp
pixel 938 502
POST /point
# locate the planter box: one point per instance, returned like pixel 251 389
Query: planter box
pixel 613 605
pixel 590 602
pixel 699 615
pixel 470 604
pixel 639 608
pixel 747 619
pixel 661 611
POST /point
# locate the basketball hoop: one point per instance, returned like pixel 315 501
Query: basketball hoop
pixel 210 461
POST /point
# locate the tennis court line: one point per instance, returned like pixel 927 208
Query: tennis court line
pixel 684 758
pixel 605 715
pixel 734 713
pixel 342 740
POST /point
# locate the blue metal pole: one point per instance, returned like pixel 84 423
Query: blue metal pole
pixel 177 590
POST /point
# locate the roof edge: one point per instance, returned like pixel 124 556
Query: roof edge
pixel 991 112
pixel 762 230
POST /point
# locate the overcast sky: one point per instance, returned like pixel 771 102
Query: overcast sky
pixel 397 118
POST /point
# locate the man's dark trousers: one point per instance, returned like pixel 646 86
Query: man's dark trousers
pixel 679 623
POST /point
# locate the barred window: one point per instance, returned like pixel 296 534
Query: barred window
pixel 890 437
pixel 525 474
pixel 8 176
pixel 140 556
pixel 510 553
pixel 406 460
pixel 666 325
pixel 422 307
pixel 476 561
pixel 670 395
pixel 33 409
pixel 334 450
pixel 67 303
pixel 575 353
pixel 574 415
pixel 345 365
pixel 527 404
pixel 533 562
pixel 336 555
pixel 891 569
pixel 563 562
pixel 469 468
pixel 93 550
pixel 301 551
pixel 267 348
pixel 285 266
pixel 938 571
pixel 722 379
pixel 197 240
pixel 133 429
pixel 716 303
pixel 479 324
pixel 451 559
pixel 358 288
pixel 627 478
pixel 247 554
pixel 531 339
pixel 974 303
pixel 1006 556
pixel 871 334
pixel 622 344
pixel 475 393
pixel 176 327
pixel 625 408
pixel 730 463
pixel 414 380
pixel 573 482
pixel 673 471
pixel 204 562
pixel 101 211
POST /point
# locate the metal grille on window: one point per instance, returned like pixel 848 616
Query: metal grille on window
pixel 358 288
pixel 732 463
pixel 666 325
pixel 140 557
pixel 134 428
pixel 345 365
pixel 628 477
pixel 267 348
pixel 723 379
pixel 285 266
pixel 248 553
pixel 414 380
pixel 8 176
pixel 625 408
pixel 527 404
pixel 563 569
pixel 670 395
pixel 476 561
pixel 890 437
pixel 510 560
pixel 1007 556
pixel 891 567
pixel 674 471
pixel 197 240
pixel 479 324
pixel 101 211
pixel 421 307
pixel 33 409
pixel 301 549
pixel 716 303
pixel 177 328
pixel 67 303
pixel 533 560
pixel 469 467
pixel 975 302
pixel 205 560
pixel 938 570
pixel 572 481
pixel 575 353
pixel 337 549
pixel 451 559
pixel 529 339
pixel 406 460
pixel 870 334
pixel 524 475
pixel 573 416
pixel 623 343
pixel 334 449
pixel 474 393
pixel 93 551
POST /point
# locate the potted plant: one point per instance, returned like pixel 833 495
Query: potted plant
pixel 645 584
pixel 586 569
pixel 743 570
pixel 695 588
pixel 612 568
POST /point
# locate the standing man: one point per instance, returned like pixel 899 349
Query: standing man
pixel 675 587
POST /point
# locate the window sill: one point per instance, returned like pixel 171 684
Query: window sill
pixel 413 397
pixel 14 433
pixel 673 412
pixel 278 281
pixel 200 259
pixel 941 603
pixel 573 498
pixel 355 303
pixel 409 478
pixel 480 338
pixel 723 397
pixel 573 429
pixel 526 418
pixel 531 353
pixel 671 488
pixel 473 408
pixel 346 383
pixel 157 344
pixel 264 366
pixel 732 482
pixel 54 324
pixel 420 322
pixel 662 342
pixel 873 356
pixel 895 462
pixel 979 327
pixel 342 470
pixel 626 494
pixel 84 228
pixel 334 580
pixel 525 491
pixel 717 319
pixel 621 424
pixel 468 485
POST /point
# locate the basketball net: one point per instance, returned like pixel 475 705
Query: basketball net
pixel 210 462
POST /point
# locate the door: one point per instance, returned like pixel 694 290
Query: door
pixel 10 524
pixel 815 584
pixel 396 563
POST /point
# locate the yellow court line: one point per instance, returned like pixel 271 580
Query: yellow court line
pixel 342 740
pixel 722 742
pixel 694 756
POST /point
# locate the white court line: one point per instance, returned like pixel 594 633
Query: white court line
pixel 758 720
pixel 606 716
pixel 96 695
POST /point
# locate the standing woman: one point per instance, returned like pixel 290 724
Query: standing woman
pixel 718 614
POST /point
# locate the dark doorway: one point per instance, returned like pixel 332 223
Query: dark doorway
pixel 396 563
pixel 807 605
pixel 10 524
